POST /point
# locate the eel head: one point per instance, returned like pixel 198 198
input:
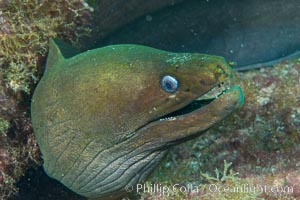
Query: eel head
pixel 104 118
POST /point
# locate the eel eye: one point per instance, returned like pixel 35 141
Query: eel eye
pixel 169 83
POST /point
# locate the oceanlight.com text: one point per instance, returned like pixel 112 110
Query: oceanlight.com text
pixel 167 190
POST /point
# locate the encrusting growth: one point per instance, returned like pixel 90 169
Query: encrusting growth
pixel 25 28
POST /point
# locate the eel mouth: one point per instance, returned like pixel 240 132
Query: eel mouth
pixel 200 114
pixel 202 101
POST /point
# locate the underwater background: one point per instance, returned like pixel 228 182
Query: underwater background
pixel 257 145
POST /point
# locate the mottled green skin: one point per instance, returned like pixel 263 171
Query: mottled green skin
pixel 95 115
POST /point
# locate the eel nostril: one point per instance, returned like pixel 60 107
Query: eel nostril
pixel 219 72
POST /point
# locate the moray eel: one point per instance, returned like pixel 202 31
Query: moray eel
pixel 104 118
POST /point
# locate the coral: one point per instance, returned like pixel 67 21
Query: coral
pixel 25 27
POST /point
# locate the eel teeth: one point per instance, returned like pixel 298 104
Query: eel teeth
pixel 215 92
pixel 168 119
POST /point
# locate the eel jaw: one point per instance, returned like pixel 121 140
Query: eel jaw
pixel 191 120
pixel 202 101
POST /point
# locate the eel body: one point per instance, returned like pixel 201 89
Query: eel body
pixel 104 118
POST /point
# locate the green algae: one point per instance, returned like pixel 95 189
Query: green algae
pixel 4 125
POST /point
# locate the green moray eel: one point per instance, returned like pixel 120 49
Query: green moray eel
pixel 103 118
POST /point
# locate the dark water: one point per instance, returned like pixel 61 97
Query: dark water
pixel 243 31
pixel 36 185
